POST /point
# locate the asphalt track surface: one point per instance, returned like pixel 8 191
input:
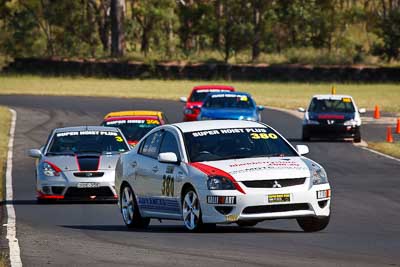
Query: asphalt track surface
pixel 364 228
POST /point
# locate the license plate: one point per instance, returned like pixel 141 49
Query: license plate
pixel 277 198
pixel 88 185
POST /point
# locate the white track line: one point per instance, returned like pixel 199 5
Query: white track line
pixel 15 257
pixel 380 154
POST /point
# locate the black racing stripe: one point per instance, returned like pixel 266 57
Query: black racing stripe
pixel 88 163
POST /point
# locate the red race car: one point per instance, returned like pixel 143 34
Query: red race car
pixel 195 100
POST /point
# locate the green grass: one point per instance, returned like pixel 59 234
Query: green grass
pixel 277 94
pixel 5 117
pixel 392 149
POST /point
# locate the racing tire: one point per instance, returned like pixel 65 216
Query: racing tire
pixel 357 136
pixel 191 212
pixel 130 211
pixel 305 136
pixel 313 224
pixel 246 223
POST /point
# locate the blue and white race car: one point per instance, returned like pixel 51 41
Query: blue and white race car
pixel 230 106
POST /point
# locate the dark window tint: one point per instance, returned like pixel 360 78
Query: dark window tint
pixel 329 105
pixel 151 145
pixel 238 143
pixel 169 144
pixel 230 101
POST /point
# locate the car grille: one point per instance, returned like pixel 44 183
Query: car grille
pixel 271 183
pixel 275 208
pixel 88 174
pixel 103 191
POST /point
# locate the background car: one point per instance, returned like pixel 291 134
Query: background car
pixel 78 163
pixel 134 124
pixel 332 116
pixel 230 106
pixel 195 100
pixel 209 172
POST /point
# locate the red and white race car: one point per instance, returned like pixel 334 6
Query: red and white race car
pixel 195 100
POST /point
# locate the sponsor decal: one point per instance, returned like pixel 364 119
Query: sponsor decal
pixel 230 95
pixel 78 133
pixel 278 198
pixel 211 90
pixel 221 200
pixel 237 130
pixel 346 100
pixel 323 193
pixel 167 205
pixel 119 139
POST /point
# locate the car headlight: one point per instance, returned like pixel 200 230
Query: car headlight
pixel 49 169
pixel 350 123
pixel 219 183
pixel 318 175
pixel 188 111
pixel 247 118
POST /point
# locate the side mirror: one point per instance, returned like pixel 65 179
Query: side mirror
pixel 302 149
pixel 362 110
pixel 183 99
pixel 260 108
pixel 301 110
pixel 35 153
pixel 168 157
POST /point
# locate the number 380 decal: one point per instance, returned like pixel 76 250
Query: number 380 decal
pixel 167 185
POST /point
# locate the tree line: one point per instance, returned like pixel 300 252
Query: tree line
pixel 181 28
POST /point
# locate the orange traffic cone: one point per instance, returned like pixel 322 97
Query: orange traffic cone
pixel 398 126
pixel 377 114
pixel 389 137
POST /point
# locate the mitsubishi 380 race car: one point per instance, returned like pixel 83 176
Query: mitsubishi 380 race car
pixel 78 163
pixel 229 171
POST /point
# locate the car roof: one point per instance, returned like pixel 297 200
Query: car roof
pixel 193 126
pixel 134 113
pixel 213 86
pixel 85 128
pixel 330 96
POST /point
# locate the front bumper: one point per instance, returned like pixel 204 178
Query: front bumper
pixel 68 187
pixel 331 131
pixel 255 206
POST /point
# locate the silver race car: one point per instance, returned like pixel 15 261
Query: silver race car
pixel 78 163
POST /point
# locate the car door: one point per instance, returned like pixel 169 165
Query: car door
pixel 170 178
pixel 146 184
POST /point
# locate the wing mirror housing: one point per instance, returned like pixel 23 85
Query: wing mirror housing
pixel 362 110
pixel 168 157
pixel 302 149
pixel 183 99
pixel 301 110
pixel 260 108
pixel 35 153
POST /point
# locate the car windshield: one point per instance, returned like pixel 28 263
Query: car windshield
pixel 234 143
pixel 228 101
pixel 200 95
pixel 344 105
pixel 134 129
pixel 87 141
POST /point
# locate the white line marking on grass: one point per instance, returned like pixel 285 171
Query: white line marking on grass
pixel 15 257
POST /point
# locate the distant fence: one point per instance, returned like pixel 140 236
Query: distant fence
pixel 207 71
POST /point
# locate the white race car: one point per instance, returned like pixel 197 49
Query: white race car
pixel 229 171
